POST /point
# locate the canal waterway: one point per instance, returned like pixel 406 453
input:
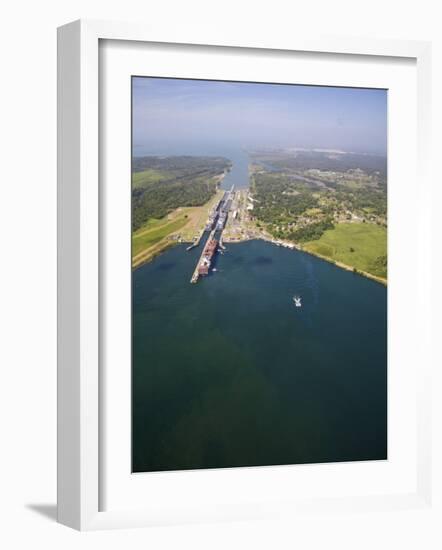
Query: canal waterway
pixel 227 372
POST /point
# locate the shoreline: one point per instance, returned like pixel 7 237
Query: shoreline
pixel 350 268
pixel 298 247
pixel 176 237
pixel 169 241
pixel 152 254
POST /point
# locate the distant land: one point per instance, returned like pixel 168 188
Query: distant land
pixel 329 203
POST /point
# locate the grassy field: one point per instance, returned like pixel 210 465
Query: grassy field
pixel 198 217
pixel 154 236
pixel 142 179
pixel 359 245
pixel 156 230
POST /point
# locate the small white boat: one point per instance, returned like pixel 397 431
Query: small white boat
pixel 214 269
pixel 297 301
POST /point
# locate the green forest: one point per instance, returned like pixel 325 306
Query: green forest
pixel 311 231
pixel 334 206
pixel 162 184
pixel 280 198
pixel 292 205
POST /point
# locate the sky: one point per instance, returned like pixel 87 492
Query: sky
pixel 181 114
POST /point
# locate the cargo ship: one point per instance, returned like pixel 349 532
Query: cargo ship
pixel 211 220
pixel 221 221
pixel 206 259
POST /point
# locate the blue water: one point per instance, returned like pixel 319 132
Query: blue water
pixel 228 372
pixel 239 174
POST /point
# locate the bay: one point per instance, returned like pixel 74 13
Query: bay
pixel 229 373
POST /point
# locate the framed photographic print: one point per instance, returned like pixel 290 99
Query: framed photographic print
pixel 238 334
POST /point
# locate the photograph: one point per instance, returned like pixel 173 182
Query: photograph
pixel 259 274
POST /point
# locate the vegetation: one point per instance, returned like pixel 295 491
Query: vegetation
pixel 335 203
pixel 159 200
pixel 180 165
pixel 162 184
pixel 146 177
pixel 322 160
pixel 379 266
pixel 362 246
pixel 311 231
pixel 371 200
pixel 154 231
pixel 181 225
pixel 279 200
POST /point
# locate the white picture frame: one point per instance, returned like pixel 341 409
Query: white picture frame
pixel 79 266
